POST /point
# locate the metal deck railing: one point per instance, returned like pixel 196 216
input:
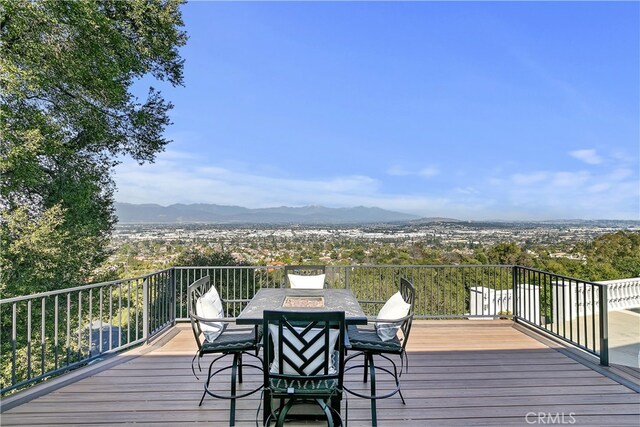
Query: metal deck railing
pixel 49 333
pixel 52 332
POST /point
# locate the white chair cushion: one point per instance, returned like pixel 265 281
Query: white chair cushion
pixel 394 308
pixel 306 282
pixel 209 306
pixel 273 332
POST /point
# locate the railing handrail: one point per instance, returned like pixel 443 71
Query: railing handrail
pixel 277 267
pixel 281 267
pixel 560 276
pixel 81 287
pixel 146 276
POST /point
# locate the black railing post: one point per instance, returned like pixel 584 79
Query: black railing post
pixel 514 291
pixel 604 326
pixel 145 309
pixel 174 303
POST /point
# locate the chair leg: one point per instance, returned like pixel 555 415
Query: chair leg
pixel 234 370
pixel 396 377
pixel 366 367
pixel 208 380
pixel 404 367
pixel 372 370
pixel 326 410
pixel 193 360
pixel 236 377
pixel 334 407
pixel 266 412
pixel 284 410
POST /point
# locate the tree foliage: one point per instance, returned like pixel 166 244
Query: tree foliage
pixel 66 116
pixel 207 258
pixel 613 256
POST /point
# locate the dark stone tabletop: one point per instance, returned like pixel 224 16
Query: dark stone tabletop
pixel 273 299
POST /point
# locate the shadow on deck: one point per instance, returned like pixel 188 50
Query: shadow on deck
pixel 460 373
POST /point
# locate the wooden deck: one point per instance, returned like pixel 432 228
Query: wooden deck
pixel 461 373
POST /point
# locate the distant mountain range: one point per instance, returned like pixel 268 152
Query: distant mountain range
pixel 201 213
pixel 219 214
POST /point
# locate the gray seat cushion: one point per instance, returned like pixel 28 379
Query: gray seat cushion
pixel 365 338
pixel 233 338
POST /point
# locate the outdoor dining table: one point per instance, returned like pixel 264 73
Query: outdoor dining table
pixel 303 300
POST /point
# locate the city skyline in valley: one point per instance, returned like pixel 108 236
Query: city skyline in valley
pixel 480 110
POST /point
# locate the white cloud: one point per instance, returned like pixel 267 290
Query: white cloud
pixel 599 188
pixel 536 194
pixel 397 171
pixel 588 156
pixel 528 179
pixel 212 170
pixel 429 171
pixel 466 190
pixel 564 194
pixel 569 179
pixel 175 155
pixel 620 174
pixel 172 183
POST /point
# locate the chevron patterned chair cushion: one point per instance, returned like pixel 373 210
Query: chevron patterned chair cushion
pixel 302 387
pixel 308 344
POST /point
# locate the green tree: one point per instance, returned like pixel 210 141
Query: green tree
pixel 66 118
pixel 480 256
pixel 206 258
pixel 614 255
pixel 504 253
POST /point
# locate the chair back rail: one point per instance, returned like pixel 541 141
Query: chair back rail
pixel 195 291
pixel 303 359
pixel 408 293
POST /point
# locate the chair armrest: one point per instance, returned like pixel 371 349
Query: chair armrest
pixel 400 319
pixel 213 319
pixel 347 342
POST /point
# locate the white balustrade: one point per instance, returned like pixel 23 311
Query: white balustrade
pixel 489 302
pixel 571 299
pixel 623 293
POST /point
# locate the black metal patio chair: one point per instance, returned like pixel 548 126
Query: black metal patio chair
pixel 303 362
pixel 305 276
pixel 368 342
pixel 217 334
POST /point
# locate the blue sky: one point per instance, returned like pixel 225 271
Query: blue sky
pixel 480 110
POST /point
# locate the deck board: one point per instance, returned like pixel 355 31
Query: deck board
pixel 461 373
